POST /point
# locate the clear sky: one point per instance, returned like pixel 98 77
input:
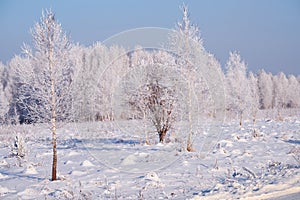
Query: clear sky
pixel 265 32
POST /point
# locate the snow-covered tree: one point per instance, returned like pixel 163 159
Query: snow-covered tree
pixel 45 92
pixel 293 92
pixel 114 72
pixel 140 56
pixel 238 90
pixel 155 101
pixel 280 87
pixel 202 73
pixel 18 73
pixel 3 75
pixel 84 88
pixel 254 97
pixel 215 84
pixel 97 73
pixel 4 104
pixel 265 86
pixel 100 82
pixel 163 57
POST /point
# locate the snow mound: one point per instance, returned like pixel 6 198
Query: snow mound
pixel 236 152
pixel 73 153
pixel 63 194
pixel 29 194
pixel 30 170
pixel 143 155
pixel 5 190
pixel 160 144
pixel 45 154
pixel 153 181
pixel 3 163
pixel 77 173
pixel 87 163
pixel 135 158
pixel 226 143
pixel 69 162
pixel 3 177
pixel 152 176
pixel 129 160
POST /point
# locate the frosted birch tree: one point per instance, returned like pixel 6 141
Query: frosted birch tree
pixel 237 85
pixel 140 56
pixel 114 71
pixel 45 94
pixel 187 45
pixel 18 68
pixel 4 104
pixel 99 82
pixel 265 87
pixel 84 88
pixel 203 76
pixel 254 99
pixel 280 88
pixel 293 92
pixel 78 88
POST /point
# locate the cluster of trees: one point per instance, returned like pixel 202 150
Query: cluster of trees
pixel 86 76
pixel 248 92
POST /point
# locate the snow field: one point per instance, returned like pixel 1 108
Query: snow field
pixel 118 165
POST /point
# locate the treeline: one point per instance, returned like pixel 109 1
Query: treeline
pixel 87 78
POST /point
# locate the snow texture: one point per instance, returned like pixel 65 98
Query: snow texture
pixel 109 167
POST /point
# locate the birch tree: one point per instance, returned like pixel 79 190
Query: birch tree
pixel 237 85
pixel 45 95
pixel 254 98
pixel 293 92
pixel 187 44
pixel 203 76
pixel 4 105
pixel 265 87
pixel 84 87
pixel 19 68
pixel 280 88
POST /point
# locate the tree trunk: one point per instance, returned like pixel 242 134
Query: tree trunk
pixel 53 113
pixel 241 119
pixel 189 140
pixel 255 134
pixel 54 164
pixel 145 128
pixel 189 147
pixel 189 66
pixel 162 135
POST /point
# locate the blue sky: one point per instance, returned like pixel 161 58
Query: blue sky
pixel 265 32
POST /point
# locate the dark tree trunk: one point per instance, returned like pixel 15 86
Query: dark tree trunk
pixel 162 135
pixel 241 119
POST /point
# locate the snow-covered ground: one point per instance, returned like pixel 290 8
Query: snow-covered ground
pixel 100 161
